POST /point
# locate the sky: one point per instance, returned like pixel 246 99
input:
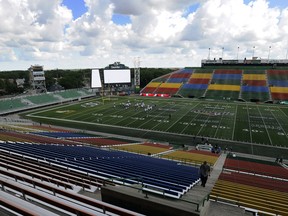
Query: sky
pixel 75 34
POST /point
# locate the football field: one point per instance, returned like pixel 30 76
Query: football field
pixel 264 124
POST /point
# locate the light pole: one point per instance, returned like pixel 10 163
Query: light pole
pixel 237 52
pixel 209 54
pixel 253 52
pixel 222 53
pixel 269 53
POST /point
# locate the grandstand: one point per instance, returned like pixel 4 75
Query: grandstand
pixel 26 102
pixel 222 83
pixel 136 155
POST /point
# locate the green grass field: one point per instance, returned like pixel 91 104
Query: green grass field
pixel 240 122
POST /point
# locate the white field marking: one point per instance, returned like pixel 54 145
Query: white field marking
pixel 271 143
pixel 279 123
pixel 182 117
pixel 220 123
pixel 235 115
pixel 160 115
pixel 206 121
pixel 249 124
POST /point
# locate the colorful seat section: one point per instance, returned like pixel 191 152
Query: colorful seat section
pixel 197 84
pixel 191 157
pixel 225 84
pixel 181 76
pixel 254 86
pixel 217 91
pixel 260 200
pixel 228 84
pixel 145 148
pixel 167 85
pixel 151 87
pixel 278 82
pixel 168 88
pixel 227 77
pixel 279 93
pixel 256 185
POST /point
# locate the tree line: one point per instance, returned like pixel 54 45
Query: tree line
pixel 68 79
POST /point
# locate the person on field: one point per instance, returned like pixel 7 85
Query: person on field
pixel 204 172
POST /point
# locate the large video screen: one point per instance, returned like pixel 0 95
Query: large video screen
pixel 117 76
pixel 95 79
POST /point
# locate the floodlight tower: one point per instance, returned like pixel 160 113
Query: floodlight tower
pixel 137 74
pixel 37 79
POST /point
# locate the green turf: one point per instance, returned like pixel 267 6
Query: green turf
pixel 246 127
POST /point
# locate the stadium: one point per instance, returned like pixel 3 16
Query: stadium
pixel 108 150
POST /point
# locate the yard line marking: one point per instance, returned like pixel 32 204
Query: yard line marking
pixel 249 123
pixel 182 117
pixel 147 130
pixel 220 121
pixel 206 121
pixel 271 143
pixel 156 115
pixel 235 115
pixel 279 123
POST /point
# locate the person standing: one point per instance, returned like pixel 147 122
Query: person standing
pixel 204 172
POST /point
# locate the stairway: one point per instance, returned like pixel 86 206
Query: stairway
pixel 204 95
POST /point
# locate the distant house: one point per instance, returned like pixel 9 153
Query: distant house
pixel 20 82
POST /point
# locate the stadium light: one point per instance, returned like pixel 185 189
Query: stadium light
pixel 269 53
pixel 253 52
pixel 237 52
pixel 222 52
pixel 209 54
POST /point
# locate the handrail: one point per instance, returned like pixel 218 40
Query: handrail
pixel 198 204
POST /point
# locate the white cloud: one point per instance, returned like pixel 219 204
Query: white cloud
pixel 160 32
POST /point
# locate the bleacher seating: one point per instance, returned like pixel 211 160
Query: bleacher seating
pixel 167 85
pixel 69 94
pixel 158 176
pixel 145 149
pixel 162 78
pixel 256 168
pixel 279 93
pixel 217 91
pixel 42 99
pixel 28 101
pixel 263 201
pixel 228 84
pixel 62 135
pixel 151 87
pixel 254 86
pixel 278 82
pixel 255 181
pixel 57 193
pixel 101 142
pixel 197 84
pixel 168 88
pixel 225 84
pixel 256 185
pixel 30 137
pixel 191 157
pixel 181 76
pixel 11 104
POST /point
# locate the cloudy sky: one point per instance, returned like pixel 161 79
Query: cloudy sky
pixel 160 33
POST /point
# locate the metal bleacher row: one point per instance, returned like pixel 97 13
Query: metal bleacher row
pixel 231 84
pixel 8 105
pixel 155 175
pixel 52 186
pixel 257 187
